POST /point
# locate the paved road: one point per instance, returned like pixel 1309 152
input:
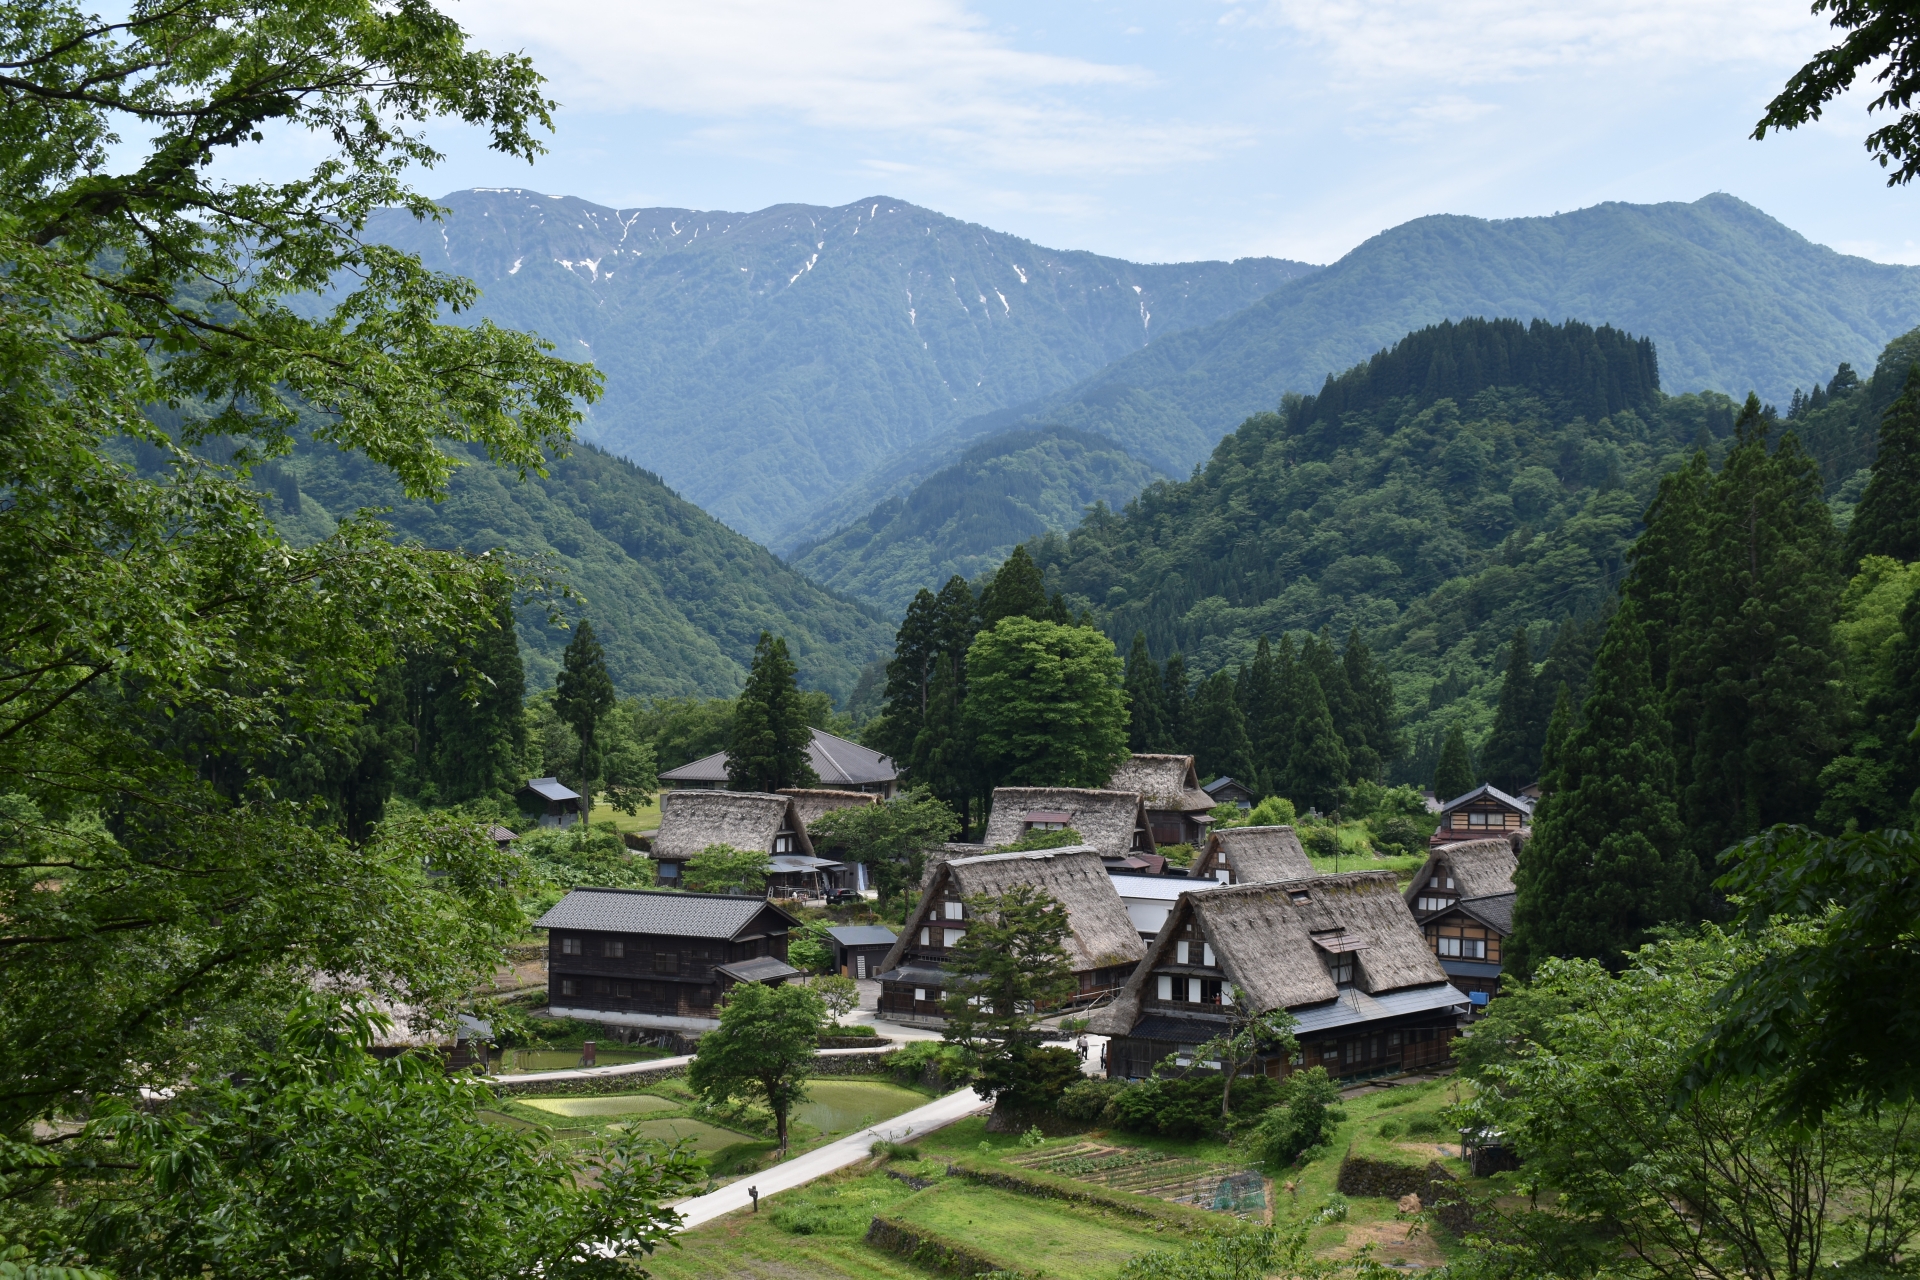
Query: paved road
pixel 801 1170
pixel 531 1078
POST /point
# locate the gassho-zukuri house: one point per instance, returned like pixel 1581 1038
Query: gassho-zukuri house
pixel 659 959
pixel 1340 953
pixel 1178 811
pixel 1252 855
pixel 1113 823
pixel 1462 900
pixel 839 764
pixel 1103 945
pixel 692 820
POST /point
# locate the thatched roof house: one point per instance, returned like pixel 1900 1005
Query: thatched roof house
pixel 1340 953
pixel 1252 855
pixel 1113 822
pixel 1463 901
pixel 1103 945
pixel 1177 809
pixel 692 820
pixel 812 803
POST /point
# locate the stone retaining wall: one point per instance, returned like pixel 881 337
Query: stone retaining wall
pixel 927 1248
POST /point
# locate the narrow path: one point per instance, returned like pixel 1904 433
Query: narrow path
pixel 851 1149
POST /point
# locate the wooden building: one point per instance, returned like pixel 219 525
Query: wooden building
pixel 555 804
pixel 692 820
pixel 839 764
pixel 813 803
pixel 1484 811
pixel 859 950
pixel 1227 790
pixel 1103 944
pixel 659 959
pixel 1340 953
pixel 1178 811
pixel 1463 901
pixel 1252 855
pixel 1114 823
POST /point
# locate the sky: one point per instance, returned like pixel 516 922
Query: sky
pixel 1161 131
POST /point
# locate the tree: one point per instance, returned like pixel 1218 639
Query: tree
pixel 890 839
pixel 1272 726
pixel 1876 781
pixel 1262 710
pixel 916 656
pixel 943 758
pixel 839 993
pixel 1453 776
pixel 1322 661
pixel 465 705
pixel 810 947
pixel 1247 1034
pixel 1887 521
pixel 1317 768
pixel 1144 717
pixel 762 1051
pixel 1220 746
pixel 583 695
pixel 1372 709
pixel 1008 967
pixel 721 868
pixel 1509 758
pixel 1176 708
pixel 1045 705
pixel 1017 591
pixel 1304 1121
pixel 1876 30
pixel 1607 864
pixel 770 741
pixel 319 1159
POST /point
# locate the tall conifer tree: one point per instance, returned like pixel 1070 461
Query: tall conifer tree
pixel 1373 710
pixel 1144 727
pixel 916 652
pixel 942 757
pixel 1453 774
pixel 1274 739
pixel 1323 660
pixel 1661 558
pixel 1753 676
pixel 1317 765
pixel 1887 521
pixel 1508 760
pixel 1607 863
pixel 583 695
pixel 1176 707
pixel 1221 747
pixel 1263 716
pixel 1017 591
pixel 768 746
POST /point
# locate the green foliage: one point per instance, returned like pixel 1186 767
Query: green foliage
pixel 1065 838
pixel 1185 1106
pixel 1221 747
pixel 1876 780
pixel 582 697
pixel 682 730
pixel 840 995
pixel 767 748
pixel 319 1159
pixel 1085 1101
pixel 890 839
pixel 721 868
pixel 1145 729
pixel 1397 834
pixel 1453 776
pixel 464 704
pixel 948 1064
pixel 1177 855
pixel 810 947
pixel 1607 865
pixel 762 1051
pixel 1045 705
pixel 1274 811
pixel 1279 1249
pixel 1030 1078
pixel 563 858
pixel 1008 967
pixel 1887 521
pixel 1874 31
pixel 1510 757
pixel 1317 763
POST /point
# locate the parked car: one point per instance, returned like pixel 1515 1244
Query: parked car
pixel 843 897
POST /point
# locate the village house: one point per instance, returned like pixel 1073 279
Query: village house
pixel 1103 945
pixel 555 804
pixel 692 820
pixel 1226 790
pixel 859 949
pixel 1484 811
pixel 838 763
pixel 814 803
pixel 1462 900
pixel 1178 811
pixel 1149 898
pixel 1340 953
pixel 659 959
pixel 1252 855
pixel 1113 822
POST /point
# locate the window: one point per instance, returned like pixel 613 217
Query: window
pixel 955 910
pixel 1340 969
pixel 669 871
pixel 1393 1039
pixel 1180 952
pixel 622 990
pixel 666 962
pixel 614 949
pixel 954 936
pixel 569 946
pixel 783 843
pixel 1300 895
pixel 1166 987
pixel 1206 953
pixel 1429 903
pixel 1193 991
pixel 1476 819
pixel 860 965
pixel 919 994
pixel 568 987
pixel 926 937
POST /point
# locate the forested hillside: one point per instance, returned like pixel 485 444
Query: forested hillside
pixel 761 361
pixel 1733 300
pixel 965 519
pixel 676 598
pixel 1476 479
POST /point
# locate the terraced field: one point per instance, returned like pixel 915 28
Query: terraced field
pixel 1205 1184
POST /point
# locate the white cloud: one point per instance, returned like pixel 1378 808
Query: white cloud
pixel 925 69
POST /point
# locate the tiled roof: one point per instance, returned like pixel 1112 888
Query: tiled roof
pixel 861 935
pixel 1487 790
pixel 682 915
pixel 839 763
pixel 551 789
pixel 1495 910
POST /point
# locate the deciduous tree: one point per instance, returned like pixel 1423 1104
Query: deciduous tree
pixel 762 1051
pixel 890 839
pixel 722 868
pixel 1045 704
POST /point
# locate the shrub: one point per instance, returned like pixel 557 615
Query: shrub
pixel 1274 811
pixel 947 1063
pixel 1177 1108
pixel 1032 1137
pixel 1087 1101
pixel 1423 1126
pixel 1322 841
pixel 1179 855
pixel 1304 1121
pixel 1389 1129
pixel 1334 1208
pixel 1033 841
pixel 894 1150
pixel 1032 1078
pixel 810 947
pixel 1397 833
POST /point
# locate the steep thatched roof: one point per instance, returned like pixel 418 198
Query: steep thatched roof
pixel 1479 868
pixel 1253 855
pixel 810 804
pixel 1111 821
pixel 1166 783
pixel 692 820
pixel 1264 939
pixel 1103 933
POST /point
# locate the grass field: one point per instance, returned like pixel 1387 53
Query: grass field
pixel 632 1104
pixel 1049 1236
pixel 841 1106
pixel 645 819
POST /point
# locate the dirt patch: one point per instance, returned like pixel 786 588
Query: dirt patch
pixel 1392 1244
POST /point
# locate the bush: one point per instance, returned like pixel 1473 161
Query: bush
pixel 946 1063
pixel 1177 855
pixel 1033 1137
pixel 1274 811
pixel 1321 840
pixel 1389 1129
pixel 1087 1101
pixel 1397 833
pixel 1333 1208
pixel 1033 841
pixel 894 1150
pixel 1423 1126
pixel 810 947
pixel 1303 1122
pixel 1032 1078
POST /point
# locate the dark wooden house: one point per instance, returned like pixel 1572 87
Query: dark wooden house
pixel 859 950
pixel 838 763
pixel 1178 811
pixel 658 959
pixel 1103 945
pixel 1231 791
pixel 1340 953
pixel 1484 811
pixel 1463 901
pixel 1252 855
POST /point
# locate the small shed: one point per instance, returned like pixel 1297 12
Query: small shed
pixel 1253 855
pixel 795 875
pixel 501 836
pixel 1178 810
pixel 692 820
pixel 858 949
pixel 1114 823
pixel 556 804
pixel 1226 790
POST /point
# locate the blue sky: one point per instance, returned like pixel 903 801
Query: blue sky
pixel 1169 131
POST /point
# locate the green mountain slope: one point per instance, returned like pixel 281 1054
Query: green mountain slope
pixel 1732 299
pixel 967 517
pixel 1477 478
pixel 677 599
pixel 760 361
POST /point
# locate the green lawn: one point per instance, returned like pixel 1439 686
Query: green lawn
pixel 813 1231
pixel 1049 1236
pixel 632 1104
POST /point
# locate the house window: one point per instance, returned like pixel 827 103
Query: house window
pixel 955 910
pixel 1165 987
pixel 954 936
pixel 666 962
pixel 1430 903
pixel 1300 895
pixel 783 843
pixel 1206 953
pixel 569 946
pixel 1180 952
pixel 568 987
pixel 926 937
pixel 1340 969
pixel 622 990
pixel 614 949
pixel 1193 991
pixel 919 994
pixel 1476 819
pixel 669 871
pixel 860 966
